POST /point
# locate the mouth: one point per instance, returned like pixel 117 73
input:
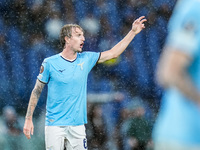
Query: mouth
pixel 81 45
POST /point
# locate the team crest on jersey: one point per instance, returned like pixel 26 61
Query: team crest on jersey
pixel 81 65
pixel 41 69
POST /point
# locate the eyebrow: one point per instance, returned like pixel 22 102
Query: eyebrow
pixel 79 33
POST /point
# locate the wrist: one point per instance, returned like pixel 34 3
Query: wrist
pixel 133 32
pixel 28 118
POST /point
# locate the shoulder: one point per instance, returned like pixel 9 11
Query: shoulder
pixel 52 58
pixel 185 16
pixel 186 9
pixel 88 54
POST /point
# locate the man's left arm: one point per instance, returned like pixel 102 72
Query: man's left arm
pixel 119 48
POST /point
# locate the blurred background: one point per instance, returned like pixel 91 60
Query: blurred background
pixel 123 95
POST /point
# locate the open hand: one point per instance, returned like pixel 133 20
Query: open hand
pixel 138 24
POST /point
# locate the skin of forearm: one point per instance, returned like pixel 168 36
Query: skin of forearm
pixel 122 45
pixel 33 100
pixel 32 104
pixel 118 48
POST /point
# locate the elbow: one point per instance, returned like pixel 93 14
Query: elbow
pixel 165 77
pixel 163 80
pixel 114 53
pixel 115 56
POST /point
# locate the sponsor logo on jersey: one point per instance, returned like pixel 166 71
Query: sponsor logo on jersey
pixel 61 70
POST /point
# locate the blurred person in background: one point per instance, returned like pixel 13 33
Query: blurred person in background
pixel 96 131
pixel 12 130
pixel 66 76
pixel 178 123
pixel 136 125
pixel 139 131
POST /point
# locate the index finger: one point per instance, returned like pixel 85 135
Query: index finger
pixel 140 18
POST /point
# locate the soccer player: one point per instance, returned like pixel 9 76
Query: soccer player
pixel 66 76
pixel 178 123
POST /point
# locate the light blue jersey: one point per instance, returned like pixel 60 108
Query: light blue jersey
pixel 179 118
pixel 67 88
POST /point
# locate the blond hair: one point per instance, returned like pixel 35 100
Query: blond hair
pixel 67 31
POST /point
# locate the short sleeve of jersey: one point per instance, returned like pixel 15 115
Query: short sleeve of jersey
pixel 44 72
pixel 93 58
pixel 184 29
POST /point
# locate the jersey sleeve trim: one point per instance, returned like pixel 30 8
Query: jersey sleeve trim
pixel 98 58
pixel 42 81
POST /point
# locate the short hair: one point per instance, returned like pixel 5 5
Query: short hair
pixel 67 31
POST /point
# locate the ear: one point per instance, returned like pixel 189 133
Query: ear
pixel 67 39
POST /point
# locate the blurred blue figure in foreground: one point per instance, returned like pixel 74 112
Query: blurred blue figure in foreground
pixel 178 123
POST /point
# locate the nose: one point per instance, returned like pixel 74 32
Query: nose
pixel 83 38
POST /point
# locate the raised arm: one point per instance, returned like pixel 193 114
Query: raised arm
pixel 36 92
pixel 114 52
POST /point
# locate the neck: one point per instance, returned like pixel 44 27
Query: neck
pixel 69 55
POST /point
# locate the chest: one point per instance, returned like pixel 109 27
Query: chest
pixel 69 72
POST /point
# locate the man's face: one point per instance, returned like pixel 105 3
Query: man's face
pixel 77 40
